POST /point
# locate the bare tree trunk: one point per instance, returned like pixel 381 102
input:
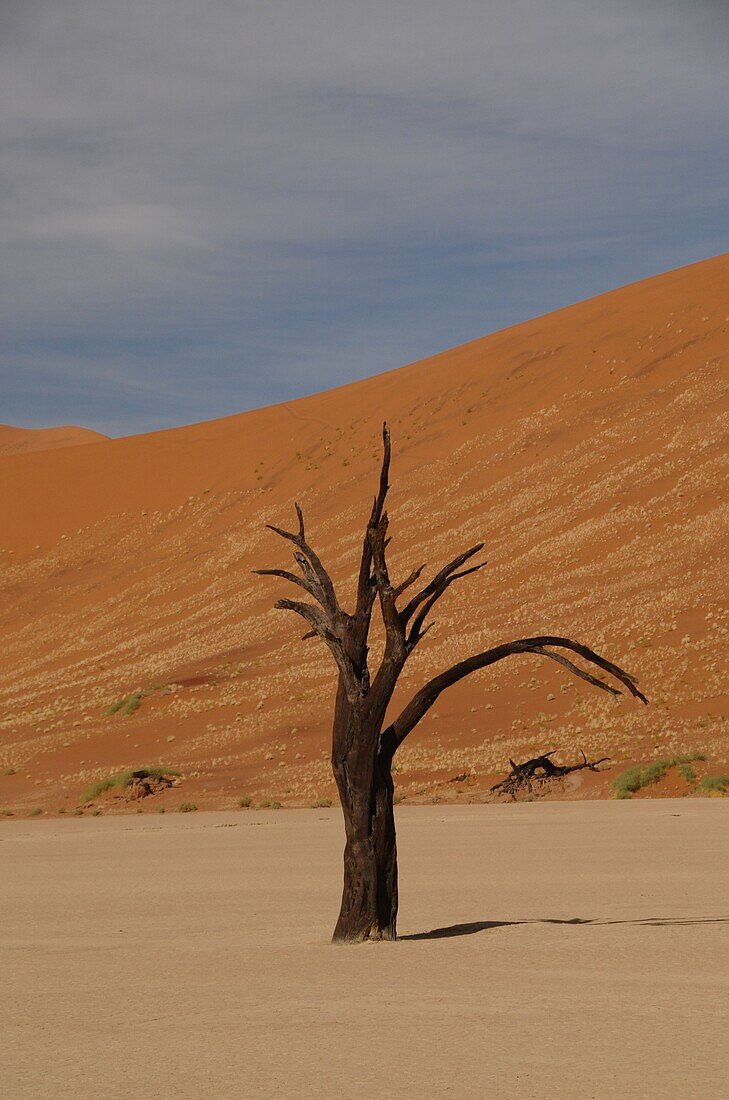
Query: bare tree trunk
pixel 369 896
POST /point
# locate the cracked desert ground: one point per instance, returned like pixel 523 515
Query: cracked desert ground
pixel 549 950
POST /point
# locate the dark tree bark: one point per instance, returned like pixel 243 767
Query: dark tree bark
pixel 363 745
pixel 541 769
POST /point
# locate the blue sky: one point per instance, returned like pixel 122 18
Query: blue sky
pixel 207 207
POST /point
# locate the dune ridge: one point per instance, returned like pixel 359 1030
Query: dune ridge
pixel 15 440
pixel 586 448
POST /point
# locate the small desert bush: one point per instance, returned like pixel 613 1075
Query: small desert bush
pixel 321 804
pixel 133 701
pixel 100 787
pixel 643 775
pixel 9 771
pixel 117 706
pixel 687 772
pixel 186 808
pixel 129 703
pixel 275 805
pixel 715 783
pixel 7 813
pixel 35 811
pixel 265 805
pixel 96 812
pixel 245 801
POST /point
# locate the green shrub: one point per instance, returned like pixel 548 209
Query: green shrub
pixel 98 788
pixel 35 811
pixel 117 706
pixel 643 775
pixel 133 701
pixel 186 808
pixel 265 805
pixel 130 703
pixel 321 804
pixel 715 783
pixel 245 801
pixel 687 772
pixel 275 805
pixel 96 812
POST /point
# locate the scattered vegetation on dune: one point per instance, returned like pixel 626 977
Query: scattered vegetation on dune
pixel 130 703
pixel 124 779
pixel 186 808
pixel 644 775
pixel 245 801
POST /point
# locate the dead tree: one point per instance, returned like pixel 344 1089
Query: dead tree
pixel 540 769
pixel 363 742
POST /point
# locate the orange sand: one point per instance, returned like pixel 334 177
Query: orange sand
pixel 21 440
pixel 587 448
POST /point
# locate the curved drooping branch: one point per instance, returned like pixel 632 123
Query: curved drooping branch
pixel 421 703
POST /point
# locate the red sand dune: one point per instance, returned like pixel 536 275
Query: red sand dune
pixel 587 448
pixel 15 441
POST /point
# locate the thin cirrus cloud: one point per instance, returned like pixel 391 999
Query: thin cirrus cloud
pixel 210 207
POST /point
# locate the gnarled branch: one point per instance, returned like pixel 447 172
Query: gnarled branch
pixel 522 775
pixel 319 583
pixel 322 626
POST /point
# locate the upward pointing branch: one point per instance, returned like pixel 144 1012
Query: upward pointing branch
pixel 365 582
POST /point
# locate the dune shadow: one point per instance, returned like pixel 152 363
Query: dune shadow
pixel 470 928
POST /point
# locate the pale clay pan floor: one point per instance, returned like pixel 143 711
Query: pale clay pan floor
pixel 582 953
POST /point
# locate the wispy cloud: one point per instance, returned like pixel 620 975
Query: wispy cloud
pixel 215 206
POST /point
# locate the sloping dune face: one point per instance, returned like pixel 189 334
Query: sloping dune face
pixel 15 441
pixel 586 448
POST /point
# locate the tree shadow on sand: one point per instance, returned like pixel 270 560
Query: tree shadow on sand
pixel 485 925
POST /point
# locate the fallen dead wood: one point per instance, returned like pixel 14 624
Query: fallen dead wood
pixel 538 772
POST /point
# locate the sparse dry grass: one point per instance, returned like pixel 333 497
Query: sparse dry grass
pixel 600 524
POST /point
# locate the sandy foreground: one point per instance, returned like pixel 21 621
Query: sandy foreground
pixel 548 950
